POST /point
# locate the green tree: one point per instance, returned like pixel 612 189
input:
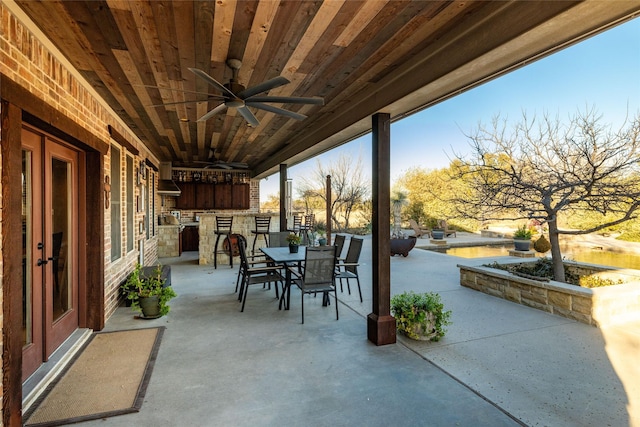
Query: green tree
pixel 543 169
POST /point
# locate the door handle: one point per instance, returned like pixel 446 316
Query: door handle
pixel 41 262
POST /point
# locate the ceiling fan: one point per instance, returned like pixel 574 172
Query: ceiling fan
pixel 235 95
pixel 220 164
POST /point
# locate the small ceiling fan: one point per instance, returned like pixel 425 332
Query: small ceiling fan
pixel 214 163
pixel 220 164
pixel 235 95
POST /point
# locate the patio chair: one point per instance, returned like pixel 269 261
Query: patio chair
pixel 256 275
pixel 338 242
pixel 417 230
pixel 444 226
pixel 278 239
pixel 252 261
pixel 318 274
pixel 349 268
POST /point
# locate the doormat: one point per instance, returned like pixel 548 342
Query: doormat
pixel 108 377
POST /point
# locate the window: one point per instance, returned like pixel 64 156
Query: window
pixel 149 207
pixel 130 206
pixel 116 214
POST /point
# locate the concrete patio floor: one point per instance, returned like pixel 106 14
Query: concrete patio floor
pixel 499 364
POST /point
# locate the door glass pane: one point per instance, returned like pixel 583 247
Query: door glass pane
pixel 61 223
pixel 27 256
pixel 116 213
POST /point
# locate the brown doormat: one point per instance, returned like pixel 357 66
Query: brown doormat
pixel 108 377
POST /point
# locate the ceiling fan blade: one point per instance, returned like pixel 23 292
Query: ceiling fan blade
pixel 316 100
pixel 277 110
pixel 213 82
pixel 248 116
pixel 219 165
pixel 174 90
pixel 219 109
pixel 213 98
pixel 263 87
pixel 238 165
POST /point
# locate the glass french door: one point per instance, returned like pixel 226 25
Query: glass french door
pixel 49 236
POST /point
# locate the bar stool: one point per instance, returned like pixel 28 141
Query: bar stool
pixel 262 229
pixel 305 229
pixel 223 228
pixel 297 223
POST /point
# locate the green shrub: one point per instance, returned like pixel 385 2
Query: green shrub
pixel 543 268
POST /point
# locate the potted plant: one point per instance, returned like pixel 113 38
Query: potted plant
pixel 522 238
pixel 148 295
pixel 420 316
pixel 437 233
pixel 321 230
pixel 294 242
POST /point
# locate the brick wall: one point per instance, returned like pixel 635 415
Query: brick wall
pixel 33 63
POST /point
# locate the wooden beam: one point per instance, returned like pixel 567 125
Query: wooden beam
pixel 11 149
pixel 117 137
pixel 41 114
pixel 381 326
pixel 93 239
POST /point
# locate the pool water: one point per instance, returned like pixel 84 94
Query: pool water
pixel 588 255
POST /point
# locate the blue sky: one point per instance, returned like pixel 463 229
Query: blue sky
pixel 601 72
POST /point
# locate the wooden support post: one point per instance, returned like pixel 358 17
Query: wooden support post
pixel 381 326
pixel 12 293
pixel 328 207
pixel 283 191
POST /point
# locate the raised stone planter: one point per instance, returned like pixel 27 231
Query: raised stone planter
pixel 597 306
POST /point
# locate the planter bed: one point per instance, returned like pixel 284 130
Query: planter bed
pixel 596 306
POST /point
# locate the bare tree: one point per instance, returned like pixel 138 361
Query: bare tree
pixel 348 187
pixel 543 169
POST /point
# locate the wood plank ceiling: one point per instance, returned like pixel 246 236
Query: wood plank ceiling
pixel 360 56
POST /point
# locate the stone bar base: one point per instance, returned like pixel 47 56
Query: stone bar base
pixel 243 223
pixel 168 241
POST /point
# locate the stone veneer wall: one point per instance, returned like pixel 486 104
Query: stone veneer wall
pixel 597 306
pixel 243 223
pixel 168 243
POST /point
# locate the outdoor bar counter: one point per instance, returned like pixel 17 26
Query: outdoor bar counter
pixel 243 223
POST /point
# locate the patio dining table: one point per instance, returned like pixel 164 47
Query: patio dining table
pixel 282 255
